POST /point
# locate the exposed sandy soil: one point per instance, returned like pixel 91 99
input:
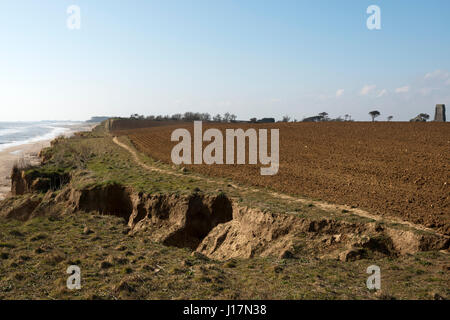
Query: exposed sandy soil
pixel 391 169
pixel 27 152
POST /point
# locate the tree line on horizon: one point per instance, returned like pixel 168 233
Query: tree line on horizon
pixel 228 117
pixel 188 116
pixel 422 117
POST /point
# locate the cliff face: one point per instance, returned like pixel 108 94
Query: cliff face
pixel 19 184
pixel 97 119
pixel 32 180
pixel 179 221
pixel 215 227
pixel 114 124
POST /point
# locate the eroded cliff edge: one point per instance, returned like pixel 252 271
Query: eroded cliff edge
pixel 212 224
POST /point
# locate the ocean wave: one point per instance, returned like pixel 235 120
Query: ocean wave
pixel 55 132
pixel 8 131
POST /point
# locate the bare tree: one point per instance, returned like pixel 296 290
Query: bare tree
pixel 177 116
pixel 192 116
pixel 217 118
pixel 233 117
pixel 226 117
pixel 187 116
pixel 206 117
pixel 390 118
pixel 286 119
pixel 374 114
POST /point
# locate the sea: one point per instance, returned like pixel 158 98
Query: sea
pixel 14 134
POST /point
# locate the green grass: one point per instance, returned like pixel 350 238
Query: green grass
pixel 120 266
pixel 34 255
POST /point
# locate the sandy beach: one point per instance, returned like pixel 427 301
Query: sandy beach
pixel 28 152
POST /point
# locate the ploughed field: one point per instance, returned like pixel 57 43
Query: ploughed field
pixel 390 169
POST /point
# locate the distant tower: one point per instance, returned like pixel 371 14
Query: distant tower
pixel 439 115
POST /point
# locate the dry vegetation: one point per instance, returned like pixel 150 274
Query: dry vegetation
pixel 34 257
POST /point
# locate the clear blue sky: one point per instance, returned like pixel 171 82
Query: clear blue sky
pixel 251 58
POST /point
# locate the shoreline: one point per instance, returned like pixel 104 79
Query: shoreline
pixel 30 153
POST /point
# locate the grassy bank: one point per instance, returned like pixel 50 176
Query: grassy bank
pixel 34 257
pixel 35 254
